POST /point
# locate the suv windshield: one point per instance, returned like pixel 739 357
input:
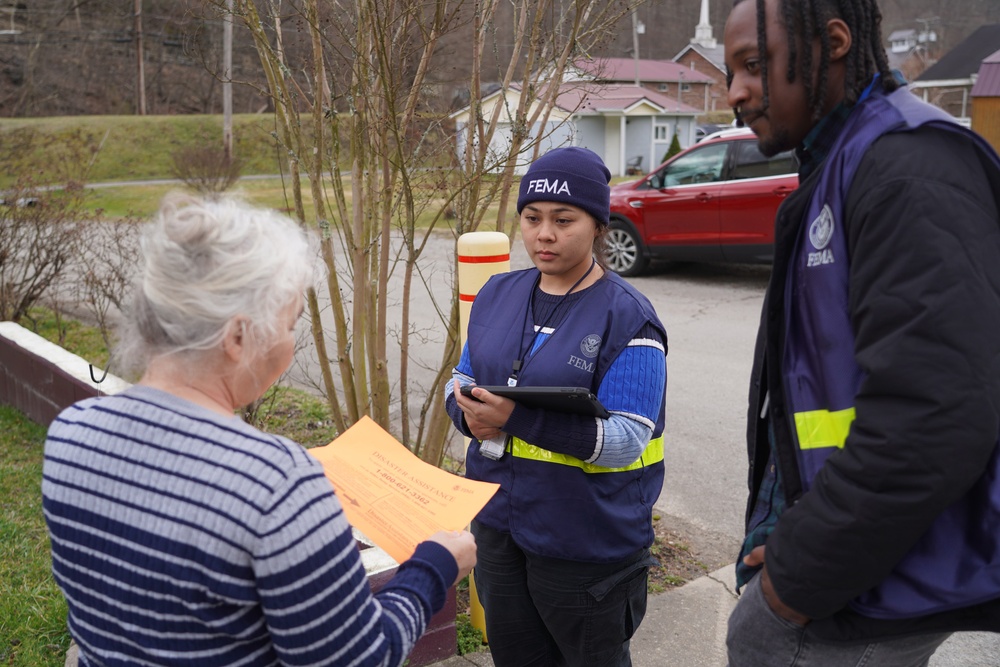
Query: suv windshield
pixel 707 164
pixel 701 165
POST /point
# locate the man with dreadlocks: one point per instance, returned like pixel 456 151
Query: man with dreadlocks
pixel 873 522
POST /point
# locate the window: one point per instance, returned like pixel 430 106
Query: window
pixel 702 165
pixel 661 132
pixel 751 163
pixel 663 87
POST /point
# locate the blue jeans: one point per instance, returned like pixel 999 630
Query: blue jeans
pixel 549 612
pixel 760 638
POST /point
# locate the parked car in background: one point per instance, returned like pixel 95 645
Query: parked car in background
pixel 706 129
pixel 19 202
pixel 713 202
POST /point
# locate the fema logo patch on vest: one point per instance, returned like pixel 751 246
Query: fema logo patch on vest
pixel 590 347
pixel 820 233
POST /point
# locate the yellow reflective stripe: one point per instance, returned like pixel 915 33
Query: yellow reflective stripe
pixel 521 449
pixel 821 428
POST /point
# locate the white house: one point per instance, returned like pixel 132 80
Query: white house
pixel 623 123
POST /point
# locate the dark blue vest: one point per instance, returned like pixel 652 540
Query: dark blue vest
pixel 553 504
pixel 949 567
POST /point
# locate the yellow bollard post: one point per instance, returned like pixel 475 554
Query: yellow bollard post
pixel 480 255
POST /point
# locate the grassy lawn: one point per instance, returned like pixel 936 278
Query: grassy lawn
pixel 80 339
pixel 142 200
pixel 32 610
pixel 141 147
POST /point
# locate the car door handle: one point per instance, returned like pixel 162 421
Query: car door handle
pixel 635 203
pixel 783 191
pixel 703 196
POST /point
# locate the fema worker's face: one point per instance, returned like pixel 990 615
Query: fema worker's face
pixel 559 238
pixel 787 119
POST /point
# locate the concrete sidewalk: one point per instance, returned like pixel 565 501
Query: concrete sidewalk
pixel 686 627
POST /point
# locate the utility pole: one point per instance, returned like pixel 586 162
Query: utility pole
pixel 140 95
pixel 635 43
pixel 927 37
pixel 638 28
pixel 227 82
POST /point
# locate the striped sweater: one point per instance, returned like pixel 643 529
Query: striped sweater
pixel 182 537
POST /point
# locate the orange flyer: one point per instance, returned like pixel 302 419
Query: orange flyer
pixel 392 496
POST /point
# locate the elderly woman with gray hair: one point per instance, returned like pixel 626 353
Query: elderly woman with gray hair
pixel 182 535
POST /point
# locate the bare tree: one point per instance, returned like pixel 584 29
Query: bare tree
pixel 206 168
pixel 373 157
pixel 106 269
pixel 42 215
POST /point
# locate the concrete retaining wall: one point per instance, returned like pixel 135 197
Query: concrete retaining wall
pixel 40 379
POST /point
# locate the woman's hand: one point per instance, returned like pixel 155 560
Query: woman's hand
pixel 485 413
pixel 462 545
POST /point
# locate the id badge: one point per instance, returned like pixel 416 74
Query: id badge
pixel 494 447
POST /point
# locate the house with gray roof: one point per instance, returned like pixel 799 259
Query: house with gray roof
pixel 986 100
pixel 948 83
pixel 627 125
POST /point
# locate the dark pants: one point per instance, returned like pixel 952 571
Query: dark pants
pixel 547 612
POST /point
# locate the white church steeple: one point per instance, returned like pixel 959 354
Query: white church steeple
pixel 703 31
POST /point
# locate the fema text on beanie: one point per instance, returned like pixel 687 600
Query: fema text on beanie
pixel 572 175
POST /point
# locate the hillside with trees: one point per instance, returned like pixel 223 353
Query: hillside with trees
pixel 71 57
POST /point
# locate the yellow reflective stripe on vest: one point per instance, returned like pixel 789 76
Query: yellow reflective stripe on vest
pixel 821 428
pixel 519 448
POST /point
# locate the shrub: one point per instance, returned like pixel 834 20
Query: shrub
pixel 470 638
pixel 206 169
pixel 675 148
pixel 42 215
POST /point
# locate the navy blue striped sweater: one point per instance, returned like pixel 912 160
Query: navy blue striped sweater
pixel 182 537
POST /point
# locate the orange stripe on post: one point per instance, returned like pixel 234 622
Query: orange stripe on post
pixel 467 297
pixel 486 259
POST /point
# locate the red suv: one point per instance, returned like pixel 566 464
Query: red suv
pixel 713 202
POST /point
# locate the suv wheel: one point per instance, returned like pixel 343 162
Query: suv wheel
pixel 626 256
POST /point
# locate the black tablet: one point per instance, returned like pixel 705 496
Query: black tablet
pixel 561 399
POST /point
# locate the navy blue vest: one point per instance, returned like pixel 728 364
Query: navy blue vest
pixel 948 568
pixel 553 504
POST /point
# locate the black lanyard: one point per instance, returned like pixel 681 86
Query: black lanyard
pixel 522 351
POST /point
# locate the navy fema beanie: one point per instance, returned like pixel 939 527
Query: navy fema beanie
pixel 572 175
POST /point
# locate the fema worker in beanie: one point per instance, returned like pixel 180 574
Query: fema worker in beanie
pixel 563 547
pixel 873 521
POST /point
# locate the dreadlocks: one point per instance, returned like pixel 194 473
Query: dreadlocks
pixel 805 21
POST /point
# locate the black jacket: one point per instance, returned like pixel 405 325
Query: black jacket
pixel 924 297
